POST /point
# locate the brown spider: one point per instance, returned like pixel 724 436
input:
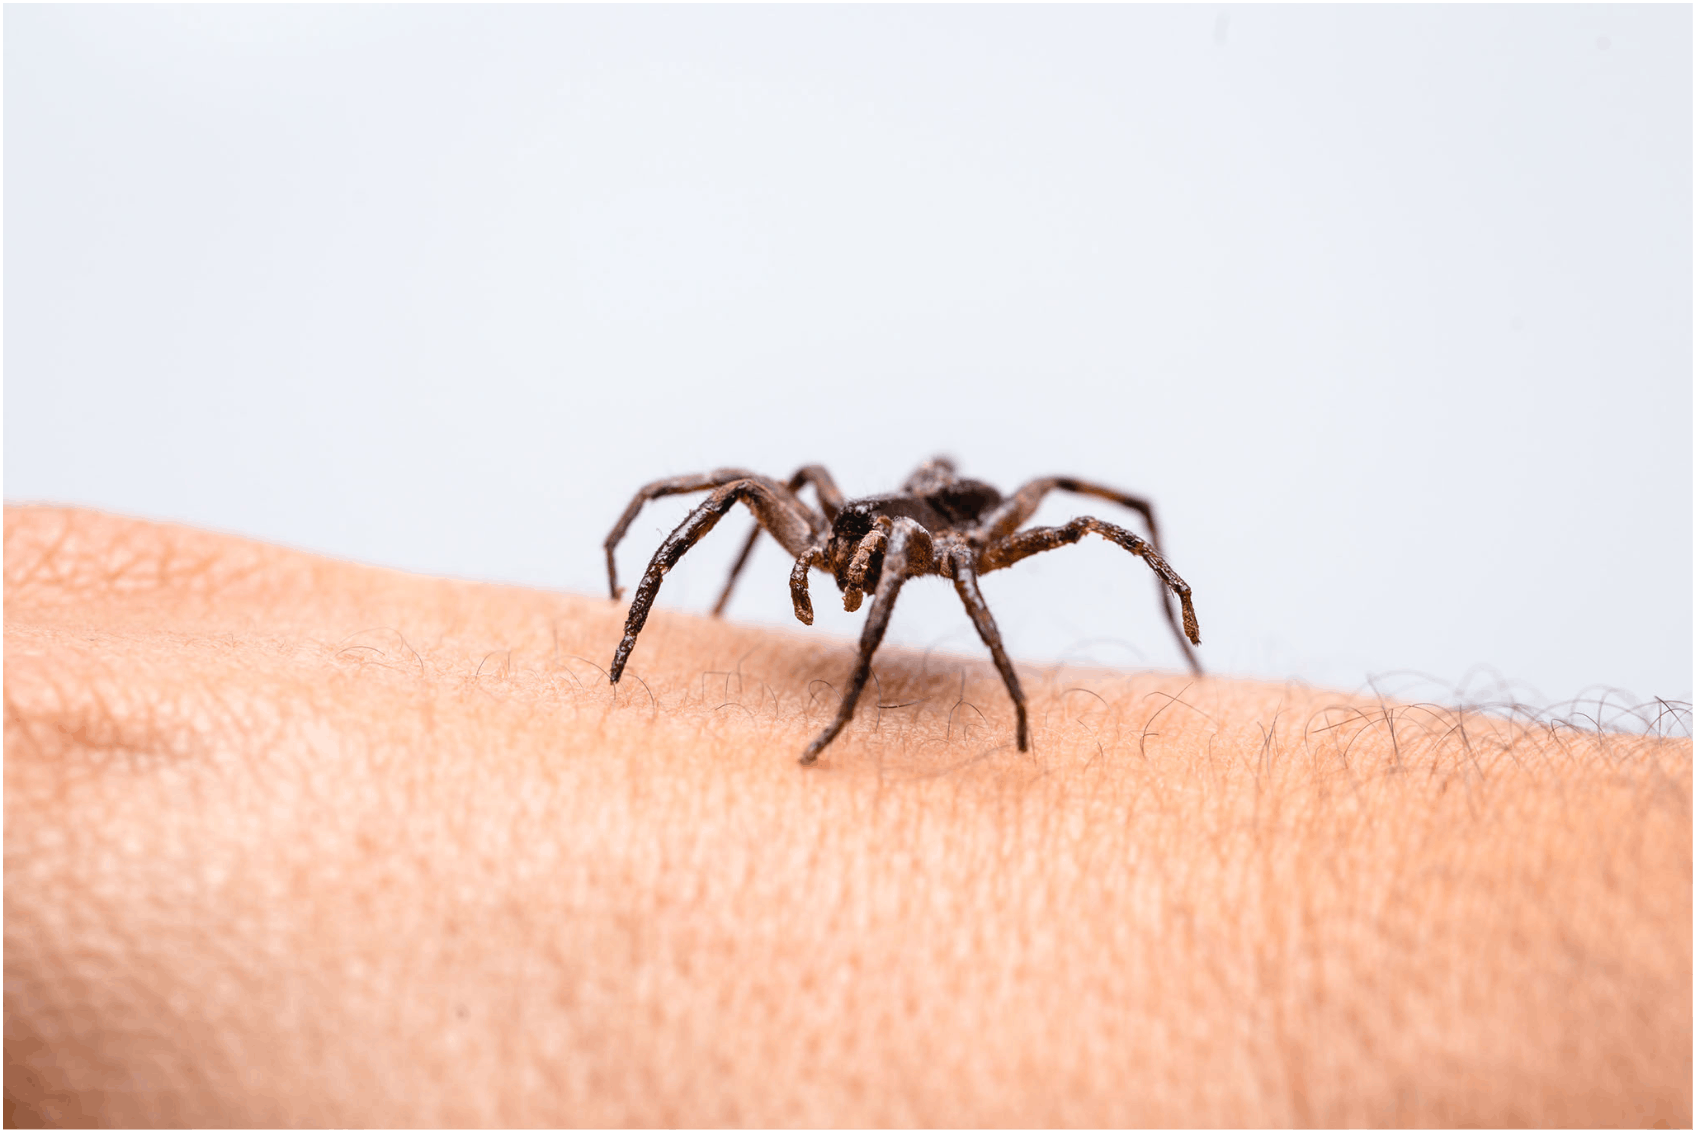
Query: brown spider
pixel 937 524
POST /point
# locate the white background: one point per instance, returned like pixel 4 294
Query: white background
pixel 1388 309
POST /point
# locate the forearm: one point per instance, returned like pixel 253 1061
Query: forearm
pixel 296 842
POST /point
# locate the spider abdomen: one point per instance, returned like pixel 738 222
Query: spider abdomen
pixel 964 500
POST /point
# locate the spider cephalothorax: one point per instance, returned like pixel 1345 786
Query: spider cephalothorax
pixel 936 523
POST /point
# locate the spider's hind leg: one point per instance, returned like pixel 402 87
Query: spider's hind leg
pixel 1009 551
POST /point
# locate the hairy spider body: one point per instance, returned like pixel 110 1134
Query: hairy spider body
pixel 937 523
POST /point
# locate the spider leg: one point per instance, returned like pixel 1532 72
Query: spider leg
pixel 831 499
pixel 737 569
pixel 892 576
pixel 1010 550
pixel 775 508
pixel 678 485
pixel 826 490
pixel 1004 519
pixel 961 564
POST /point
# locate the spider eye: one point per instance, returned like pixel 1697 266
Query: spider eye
pixel 853 521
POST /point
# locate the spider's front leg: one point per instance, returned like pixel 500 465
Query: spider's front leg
pixel 908 545
pixel 961 564
pixel 831 499
pixel 677 485
pixel 775 508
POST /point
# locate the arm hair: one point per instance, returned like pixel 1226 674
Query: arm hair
pixel 298 842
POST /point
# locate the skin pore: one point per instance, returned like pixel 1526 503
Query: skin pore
pixel 291 841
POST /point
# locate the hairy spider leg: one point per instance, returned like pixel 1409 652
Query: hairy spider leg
pixel 1006 518
pixel 1003 520
pixel 1009 551
pixel 961 563
pixel 892 576
pixel 678 485
pixel 775 508
pixel 831 499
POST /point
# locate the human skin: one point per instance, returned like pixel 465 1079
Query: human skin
pixel 291 841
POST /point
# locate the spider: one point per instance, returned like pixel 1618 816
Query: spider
pixel 938 523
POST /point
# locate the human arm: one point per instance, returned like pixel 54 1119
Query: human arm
pixel 292 841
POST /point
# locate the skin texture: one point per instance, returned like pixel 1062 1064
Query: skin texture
pixel 297 842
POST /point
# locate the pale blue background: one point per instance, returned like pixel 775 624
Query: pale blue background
pixel 1389 309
